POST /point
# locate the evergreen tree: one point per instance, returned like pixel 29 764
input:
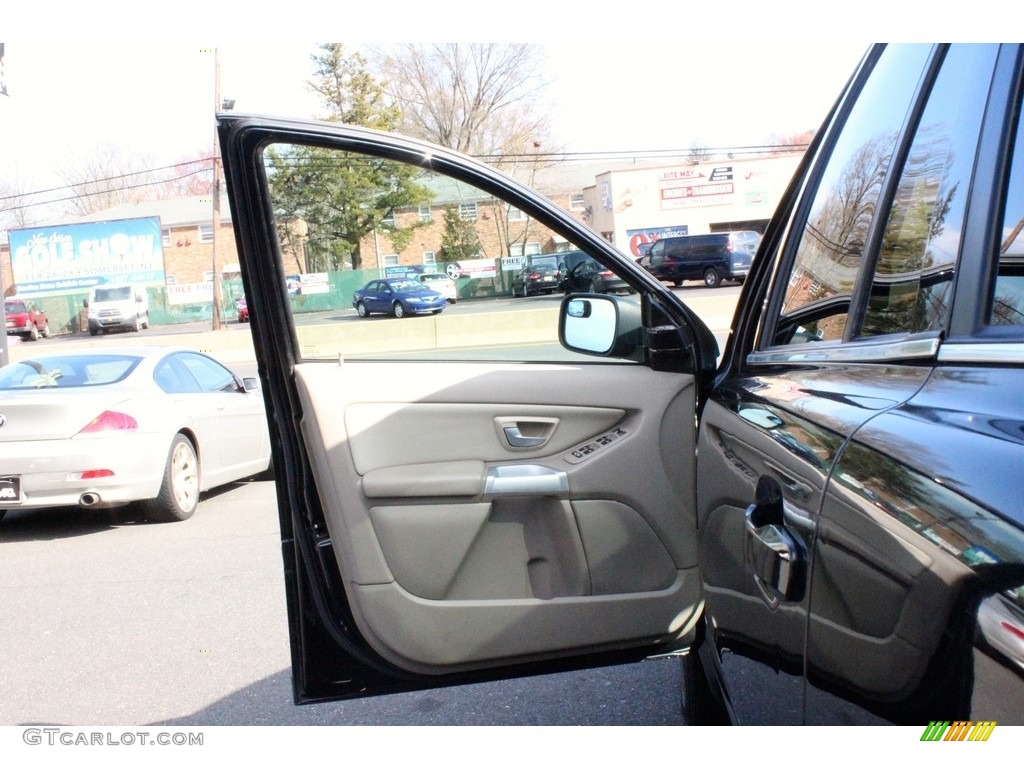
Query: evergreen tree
pixel 327 201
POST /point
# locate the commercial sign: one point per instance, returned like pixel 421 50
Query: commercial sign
pixel 474 269
pixel 70 258
pixel 640 240
pixel 685 188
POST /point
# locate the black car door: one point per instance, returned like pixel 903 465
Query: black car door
pixel 881 549
pixel 461 496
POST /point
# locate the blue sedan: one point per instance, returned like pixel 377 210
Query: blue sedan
pixel 398 296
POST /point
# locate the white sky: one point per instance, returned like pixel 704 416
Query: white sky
pixel 650 76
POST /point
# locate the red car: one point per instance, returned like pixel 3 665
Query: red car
pixel 243 310
pixel 25 319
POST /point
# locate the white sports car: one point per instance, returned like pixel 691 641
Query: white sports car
pixel 103 428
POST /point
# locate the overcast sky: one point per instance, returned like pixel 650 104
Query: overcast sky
pixel 636 76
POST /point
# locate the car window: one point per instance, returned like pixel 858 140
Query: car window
pixel 833 236
pixel 914 273
pixel 174 378
pixel 212 376
pixel 68 371
pixel 335 222
pixel 1007 305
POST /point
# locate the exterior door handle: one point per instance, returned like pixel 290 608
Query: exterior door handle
pixel 776 558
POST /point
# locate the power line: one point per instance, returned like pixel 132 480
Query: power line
pixel 493 159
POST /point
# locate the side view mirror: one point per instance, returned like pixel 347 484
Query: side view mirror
pixel 607 326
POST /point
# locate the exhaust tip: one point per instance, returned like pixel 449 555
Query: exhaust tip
pixel 89 499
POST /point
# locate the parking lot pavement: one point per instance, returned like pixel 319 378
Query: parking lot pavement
pixel 104 620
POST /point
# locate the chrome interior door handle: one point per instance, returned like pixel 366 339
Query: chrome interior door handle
pixel 520 433
pixel 517 439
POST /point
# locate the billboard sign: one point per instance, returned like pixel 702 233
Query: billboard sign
pixel 684 188
pixel 69 258
pixel 641 240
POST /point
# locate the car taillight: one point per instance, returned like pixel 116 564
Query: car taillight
pixel 535 276
pixel 110 421
pixel 91 474
pixel 1012 629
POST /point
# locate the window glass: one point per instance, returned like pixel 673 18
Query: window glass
pixel 831 247
pixel 914 274
pixel 329 206
pixel 1008 297
pixel 211 376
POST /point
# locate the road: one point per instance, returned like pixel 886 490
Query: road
pixel 107 621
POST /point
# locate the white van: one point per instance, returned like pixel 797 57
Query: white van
pixel 123 306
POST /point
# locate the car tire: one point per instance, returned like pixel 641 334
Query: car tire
pixel 93 331
pixel 711 278
pixel 677 282
pixel 145 322
pixel 33 334
pixel 399 309
pixel 136 324
pixel 46 331
pixel 179 489
pixel 361 310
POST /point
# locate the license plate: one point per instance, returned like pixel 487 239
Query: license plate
pixel 10 490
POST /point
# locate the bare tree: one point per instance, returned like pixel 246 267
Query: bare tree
pixel 105 177
pixel 189 177
pixel 18 206
pixel 781 143
pixel 476 98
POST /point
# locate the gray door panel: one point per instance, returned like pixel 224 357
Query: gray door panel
pixel 459 548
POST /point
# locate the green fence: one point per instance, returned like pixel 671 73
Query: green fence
pixel 66 313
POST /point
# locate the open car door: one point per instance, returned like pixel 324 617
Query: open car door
pixel 461 496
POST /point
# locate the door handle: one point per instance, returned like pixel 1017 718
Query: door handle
pixel 525 432
pixel 517 439
pixel 774 556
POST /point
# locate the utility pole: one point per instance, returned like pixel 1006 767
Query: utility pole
pixel 216 192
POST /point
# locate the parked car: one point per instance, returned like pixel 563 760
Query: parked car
pixel 712 258
pixel 814 520
pixel 102 428
pixel 242 309
pixel 398 296
pixel 440 282
pixel 536 278
pixel 25 319
pixel 121 306
pixel 579 273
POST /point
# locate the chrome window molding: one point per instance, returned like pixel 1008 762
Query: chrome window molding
pixel 879 351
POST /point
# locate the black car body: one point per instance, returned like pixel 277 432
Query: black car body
pixel 536 277
pixel 823 517
pixel 712 258
pixel 579 273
